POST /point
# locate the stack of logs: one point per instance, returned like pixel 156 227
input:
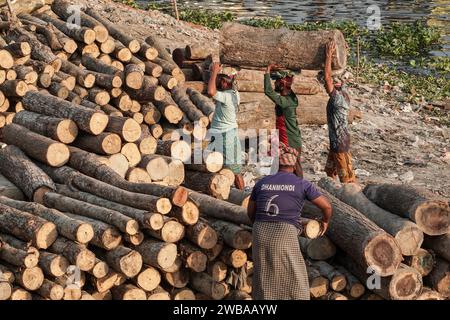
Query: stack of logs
pixel 114 211
pixel 396 231
pixel 256 110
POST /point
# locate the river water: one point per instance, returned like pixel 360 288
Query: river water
pixel 436 12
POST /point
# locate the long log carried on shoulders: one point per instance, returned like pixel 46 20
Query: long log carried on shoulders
pixel 257 47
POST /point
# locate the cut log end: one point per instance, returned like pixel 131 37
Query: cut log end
pixel 31 278
pixel 409 240
pixel 85 260
pixel 111 238
pixel 383 254
pixel 406 284
pixel 57 154
pixel 172 232
pixel 132 227
pixel 318 287
pixel 98 123
pixel 131 130
pixel 85 233
pixel 67 131
pixel 433 217
pixel 46 235
pixel 163 206
pixel 5 290
pixel 180 196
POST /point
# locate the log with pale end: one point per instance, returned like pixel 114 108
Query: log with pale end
pixel 75 253
pixel 318 249
pixel 203 283
pixel 171 232
pixel 362 239
pixel 88 120
pixel 257 47
pixel 409 237
pixel 431 214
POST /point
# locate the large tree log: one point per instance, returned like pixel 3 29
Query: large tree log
pixel 149 92
pixel 439 278
pixel 432 215
pixel 149 220
pixel 148 279
pixel 28 278
pixel 362 239
pixel 158 294
pixel 180 150
pixel 77 254
pixel 205 161
pixel 86 119
pixel 405 284
pixel 203 283
pixel 100 269
pixel 202 235
pixel 73 229
pixel 188 214
pixel 440 245
pixel 256 47
pixel 318 249
pixel 128 292
pixel 132 153
pixel 157 166
pixel 51 290
pixel 233 257
pixel 169 109
pixel 429 294
pixel 63 203
pixel 409 237
pixel 214 184
pixel 63 130
pixel 21 171
pixel 354 287
pixel 36 146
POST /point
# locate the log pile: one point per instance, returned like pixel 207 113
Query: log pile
pixel 91 119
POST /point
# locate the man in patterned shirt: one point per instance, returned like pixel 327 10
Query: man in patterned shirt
pixel 339 162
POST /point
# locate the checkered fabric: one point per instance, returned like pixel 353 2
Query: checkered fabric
pixel 279 271
pixel 288 155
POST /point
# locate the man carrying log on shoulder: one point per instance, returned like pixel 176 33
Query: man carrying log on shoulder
pixel 224 124
pixel 339 162
pixel 275 208
pixel 286 104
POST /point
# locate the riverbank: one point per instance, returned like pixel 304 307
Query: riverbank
pixel 402 137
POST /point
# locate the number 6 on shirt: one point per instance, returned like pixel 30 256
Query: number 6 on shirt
pixel 270 205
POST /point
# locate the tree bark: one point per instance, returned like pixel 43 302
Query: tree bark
pixel 123 260
pixel 21 171
pixel 337 279
pixel 233 257
pixel 54 265
pixel 77 254
pixel 439 278
pixel 203 283
pixel 88 120
pixel 153 69
pixel 63 203
pixel 232 234
pixel 409 237
pixel 362 239
pixel 104 143
pixel 213 184
pixel 182 99
pixel 128 129
pixel 193 258
pixel 17 252
pixel 440 245
pixel 73 229
pixel 188 214
pixel 256 47
pixel 431 215
pixel 157 254
pixel 318 249
pixel 131 43
pixel 202 102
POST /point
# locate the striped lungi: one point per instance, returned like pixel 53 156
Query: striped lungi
pixel 279 271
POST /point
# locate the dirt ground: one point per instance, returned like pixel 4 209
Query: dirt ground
pixel 394 141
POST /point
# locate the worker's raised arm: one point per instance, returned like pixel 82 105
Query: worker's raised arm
pixel 212 84
pixel 324 205
pixel 329 52
pixel 268 89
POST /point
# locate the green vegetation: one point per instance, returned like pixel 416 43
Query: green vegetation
pixel 130 3
pixel 210 19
